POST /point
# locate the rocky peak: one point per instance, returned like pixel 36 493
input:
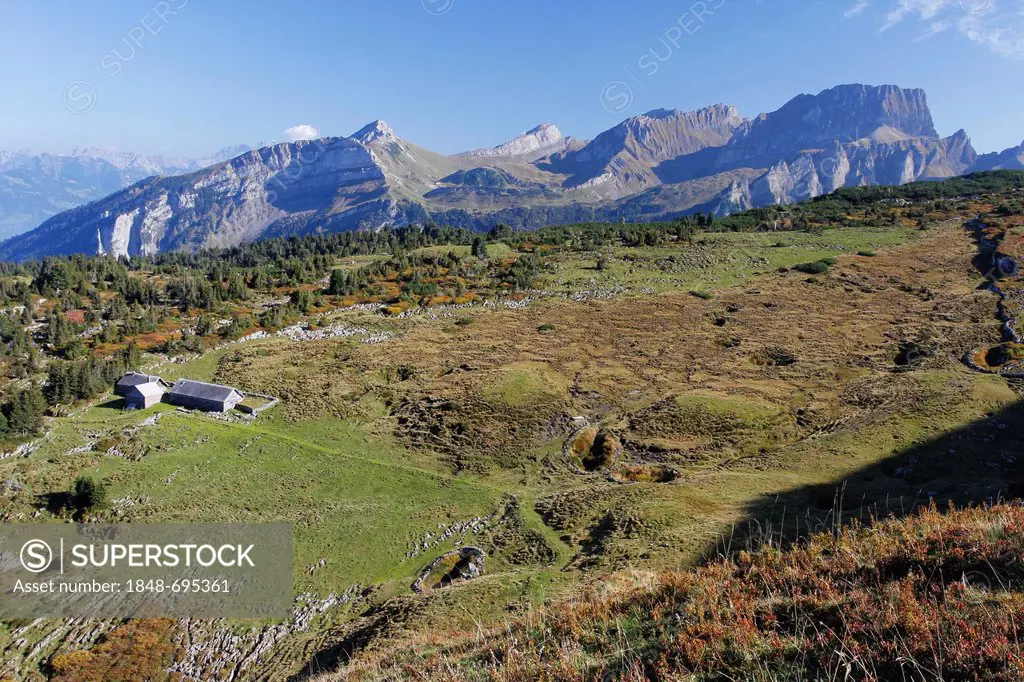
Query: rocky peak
pixel 626 155
pixel 852 111
pixel 959 151
pixel 846 113
pixel 544 138
pixel 546 132
pixel 378 131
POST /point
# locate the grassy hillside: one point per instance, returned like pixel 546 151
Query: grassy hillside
pixel 937 596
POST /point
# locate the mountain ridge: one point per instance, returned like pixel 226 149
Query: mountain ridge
pixel 657 165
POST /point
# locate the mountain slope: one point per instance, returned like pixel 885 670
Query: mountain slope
pixel 222 205
pixel 624 160
pixel 935 594
pixel 34 187
pixel 847 136
pixel 841 114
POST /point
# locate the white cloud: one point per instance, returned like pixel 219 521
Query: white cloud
pixel 857 8
pixel 303 131
pixel 1006 40
pixel 935 29
pixel 997 25
pixel 923 9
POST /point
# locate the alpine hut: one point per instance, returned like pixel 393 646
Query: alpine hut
pixel 135 379
pixel 199 395
pixel 144 396
pixel 141 391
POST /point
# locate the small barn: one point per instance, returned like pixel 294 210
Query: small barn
pixel 199 395
pixel 144 396
pixel 132 379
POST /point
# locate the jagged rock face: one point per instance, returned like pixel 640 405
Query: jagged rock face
pixel 626 159
pixel 844 114
pixel 960 152
pixel 378 131
pixel 831 144
pixel 782 184
pixel 871 161
pixel 223 205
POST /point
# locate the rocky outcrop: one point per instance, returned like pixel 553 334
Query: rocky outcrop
pixel 466 563
pixel 886 157
pixel 960 153
pixel 544 140
pixel 378 131
pixel 842 114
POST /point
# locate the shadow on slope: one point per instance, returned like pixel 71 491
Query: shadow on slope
pixel 980 463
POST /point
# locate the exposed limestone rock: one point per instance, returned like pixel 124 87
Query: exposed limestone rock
pixel 459 565
pixel 542 141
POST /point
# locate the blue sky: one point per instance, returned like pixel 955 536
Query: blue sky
pixel 187 77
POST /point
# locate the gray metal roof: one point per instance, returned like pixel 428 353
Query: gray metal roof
pixel 203 390
pixel 135 378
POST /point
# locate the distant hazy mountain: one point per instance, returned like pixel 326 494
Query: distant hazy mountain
pixel 34 187
pixel 1011 159
pixel 658 165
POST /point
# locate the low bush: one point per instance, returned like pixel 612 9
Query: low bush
pixel 816 268
pixel 88 494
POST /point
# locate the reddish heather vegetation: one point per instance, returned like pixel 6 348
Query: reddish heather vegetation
pixel 136 650
pixel 933 597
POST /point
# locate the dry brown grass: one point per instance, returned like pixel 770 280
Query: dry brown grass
pixel 936 598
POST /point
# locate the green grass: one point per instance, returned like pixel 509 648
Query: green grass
pixel 494 250
pixel 356 503
pixel 354 497
pixel 526 384
pixel 741 408
pixel 716 260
